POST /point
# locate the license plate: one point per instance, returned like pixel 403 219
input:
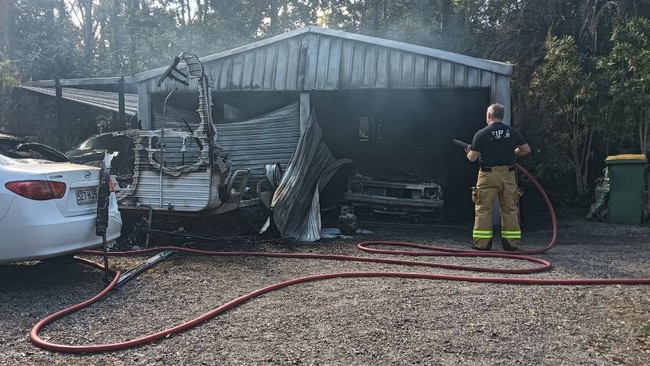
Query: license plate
pixel 86 196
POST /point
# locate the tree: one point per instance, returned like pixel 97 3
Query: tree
pixel 84 16
pixel 88 32
pixel 6 28
pixel 433 23
pixel 292 14
pixel 627 73
pixel 9 79
pixel 516 31
pixel 45 44
pixel 562 94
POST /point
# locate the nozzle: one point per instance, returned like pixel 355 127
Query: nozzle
pixel 460 143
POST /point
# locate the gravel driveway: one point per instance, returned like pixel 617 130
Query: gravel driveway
pixel 347 321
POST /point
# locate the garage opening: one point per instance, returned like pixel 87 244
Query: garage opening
pixel 402 138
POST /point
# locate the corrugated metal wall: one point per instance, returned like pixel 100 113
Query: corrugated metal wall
pixel 251 144
pixel 268 139
pixel 174 118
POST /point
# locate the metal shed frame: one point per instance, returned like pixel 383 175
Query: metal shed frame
pixel 315 59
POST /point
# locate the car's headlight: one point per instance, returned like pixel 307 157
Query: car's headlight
pixel 432 193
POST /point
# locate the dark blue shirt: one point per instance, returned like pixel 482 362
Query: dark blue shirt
pixel 497 142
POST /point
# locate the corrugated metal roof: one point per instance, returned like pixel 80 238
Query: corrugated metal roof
pixel 483 64
pixel 314 58
pixel 108 101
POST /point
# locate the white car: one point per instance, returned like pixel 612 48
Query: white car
pixel 48 205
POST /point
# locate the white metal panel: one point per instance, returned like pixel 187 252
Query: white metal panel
pixel 187 193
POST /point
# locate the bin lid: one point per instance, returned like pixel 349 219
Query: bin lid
pixel 627 158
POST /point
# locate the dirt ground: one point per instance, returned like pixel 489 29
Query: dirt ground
pixel 376 320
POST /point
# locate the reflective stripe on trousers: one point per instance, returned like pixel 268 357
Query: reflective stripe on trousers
pixel 501 183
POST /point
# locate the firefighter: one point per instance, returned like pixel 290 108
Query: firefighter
pixel 496 147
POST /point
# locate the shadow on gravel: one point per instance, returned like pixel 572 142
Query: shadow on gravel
pixel 40 275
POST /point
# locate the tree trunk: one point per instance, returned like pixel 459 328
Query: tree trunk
pixel 468 17
pixel 644 130
pixel 63 12
pixel 199 11
pixel 445 14
pixel 116 44
pixel 6 29
pixel 376 6
pixel 88 31
pixel 273 17
pixel 386 20
pixel 132 8
pixel 186 15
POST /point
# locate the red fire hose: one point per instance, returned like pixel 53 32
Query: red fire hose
pixel 407 249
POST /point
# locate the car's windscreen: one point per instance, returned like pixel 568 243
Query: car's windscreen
pixel 107 142
pixel 19 150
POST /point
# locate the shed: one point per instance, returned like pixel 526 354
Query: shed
pixel 378 101
pixel 391 108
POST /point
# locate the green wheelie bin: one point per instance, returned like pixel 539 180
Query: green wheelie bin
pixel 627 188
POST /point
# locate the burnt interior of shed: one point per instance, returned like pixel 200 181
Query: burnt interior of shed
pixel 409 128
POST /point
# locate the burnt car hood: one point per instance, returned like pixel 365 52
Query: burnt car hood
pixel 86 156
pixel 402 173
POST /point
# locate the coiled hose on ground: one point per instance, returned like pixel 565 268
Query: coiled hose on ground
pixel 408 249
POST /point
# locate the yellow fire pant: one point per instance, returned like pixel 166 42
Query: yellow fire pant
pixel 499 182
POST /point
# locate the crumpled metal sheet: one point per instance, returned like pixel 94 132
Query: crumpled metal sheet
pixel 296 202
pixel 265 139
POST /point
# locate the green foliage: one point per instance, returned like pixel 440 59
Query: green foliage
pixel 626 71
pixel 292 14
pixel 9 79
pixel 563 95
pixel 44 42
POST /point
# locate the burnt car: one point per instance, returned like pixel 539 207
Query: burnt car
pixel 396 189
pixel 91 152
pixel 48 204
